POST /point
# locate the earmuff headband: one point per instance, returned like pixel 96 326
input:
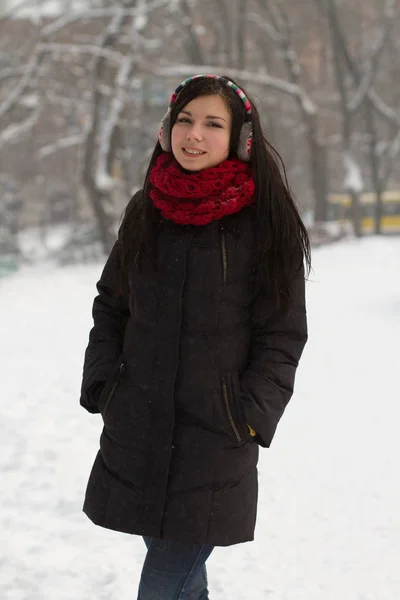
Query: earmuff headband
pixel 227 82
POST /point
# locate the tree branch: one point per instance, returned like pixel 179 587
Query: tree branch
pixel 14 132
pixel 103 181
pixel 22 84
pixel 99 13
pixel 82 49
pixel 8 72
pixel 295 91
pixel 67 142
pixel 371 67
pixel 380 105
pixel 264 25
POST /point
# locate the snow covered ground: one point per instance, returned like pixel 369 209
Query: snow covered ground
pixel 329 506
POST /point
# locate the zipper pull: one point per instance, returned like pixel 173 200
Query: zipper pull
pixel 121 369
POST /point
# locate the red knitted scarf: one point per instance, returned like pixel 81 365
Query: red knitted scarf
pixel 202 197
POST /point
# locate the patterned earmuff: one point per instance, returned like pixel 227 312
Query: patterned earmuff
pixel 245 140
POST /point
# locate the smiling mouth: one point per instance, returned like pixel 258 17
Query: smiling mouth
pixel 191 152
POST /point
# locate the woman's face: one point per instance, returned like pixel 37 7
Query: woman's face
pixel 201 134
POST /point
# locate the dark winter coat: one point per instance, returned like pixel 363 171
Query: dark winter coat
pixel 188 360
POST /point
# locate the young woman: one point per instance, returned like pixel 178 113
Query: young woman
pixel 199 324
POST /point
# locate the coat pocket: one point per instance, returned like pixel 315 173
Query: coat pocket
pixel 232 404
pixel 110 388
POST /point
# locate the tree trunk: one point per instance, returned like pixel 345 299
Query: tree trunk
pixel 374 166
pixel 97 199
pixel 347 122
pixel 241 34
pixel 225 20
pixel 356 213
pixel 318 169
pixel 193 48
pixel 319 172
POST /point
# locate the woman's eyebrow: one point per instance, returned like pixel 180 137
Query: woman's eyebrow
pixel 186 112
pixel 212 117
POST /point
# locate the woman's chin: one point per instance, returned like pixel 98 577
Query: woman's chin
pixel 191 163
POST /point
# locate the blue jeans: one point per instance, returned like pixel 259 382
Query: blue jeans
pixel 174 571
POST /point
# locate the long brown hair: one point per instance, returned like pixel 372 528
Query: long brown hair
pixel 282 242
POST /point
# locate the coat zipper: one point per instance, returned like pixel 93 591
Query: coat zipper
pixel 224 255
pixel 228 411
pixel 114 387
pixel 225 388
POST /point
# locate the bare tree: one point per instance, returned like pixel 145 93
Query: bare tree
pixel 364 96
pixel 353 181
pixel 364 81
pixel 278 29
pixel 98 143
pixel 92 86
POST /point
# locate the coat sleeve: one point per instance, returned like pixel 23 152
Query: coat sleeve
pixel 110 315
pixel 277 343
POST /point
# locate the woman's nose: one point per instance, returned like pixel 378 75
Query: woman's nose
pixel 194 133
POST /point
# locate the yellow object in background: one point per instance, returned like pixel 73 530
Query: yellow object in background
pixel 339 209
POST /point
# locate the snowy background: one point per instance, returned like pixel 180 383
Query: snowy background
pixel 329 523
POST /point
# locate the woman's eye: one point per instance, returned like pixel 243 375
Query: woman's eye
pixel 210 124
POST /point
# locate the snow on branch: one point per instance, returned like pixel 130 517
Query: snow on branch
pixel 43 48
pixel 264 25
pixel 22 84
pixel 394 148
pixel 96 13
pixel 141 19
pixel 388 164
pixel 82 49
pixel 14 132
pixel 67 142
pixel 280 85
pixel 386 111
pixel 353 180
pixel 12 12
pixel 104 181
pixel 8 73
